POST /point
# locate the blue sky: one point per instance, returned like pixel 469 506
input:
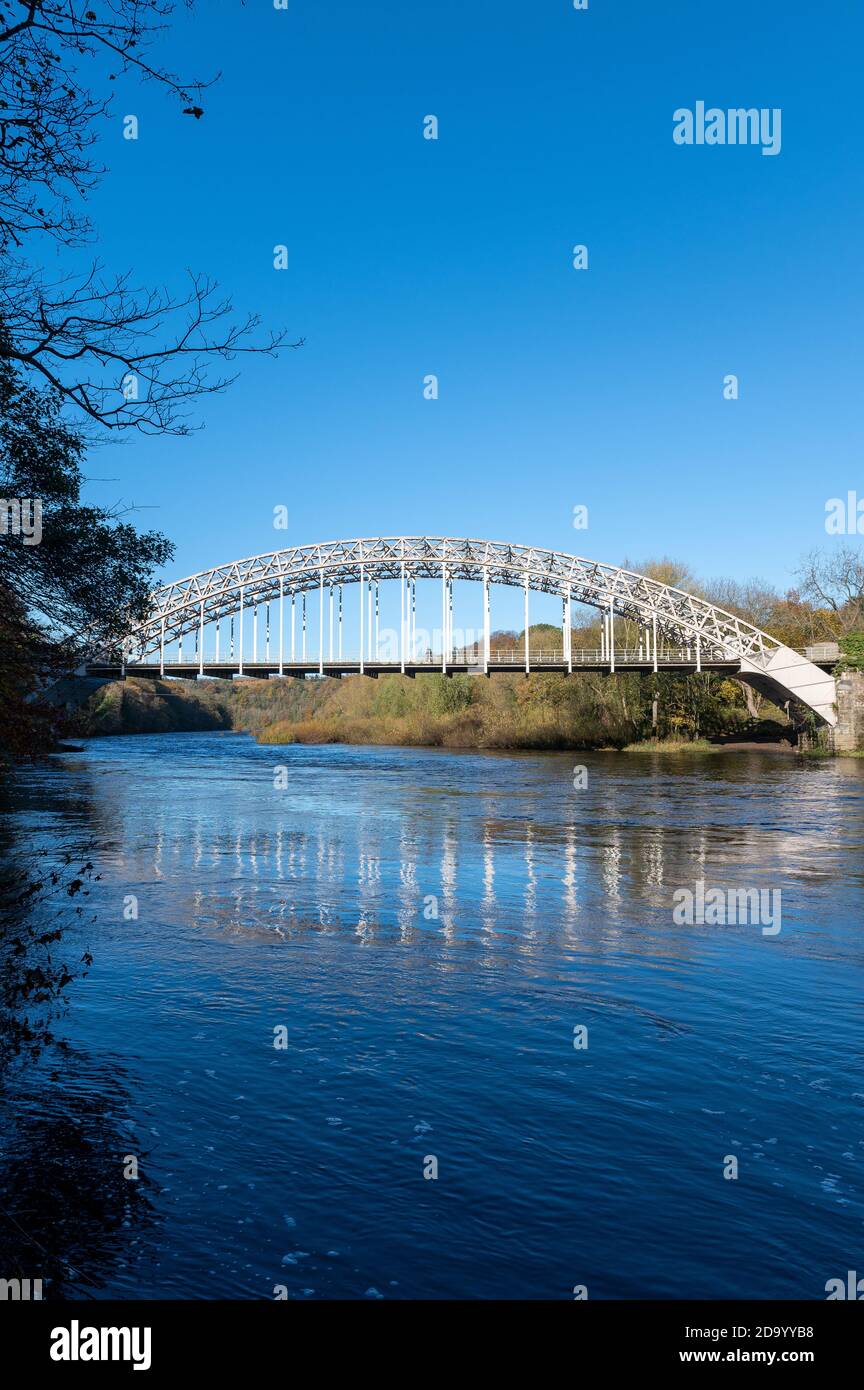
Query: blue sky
pixel 409 257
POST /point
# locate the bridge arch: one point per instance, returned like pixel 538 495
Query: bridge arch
pixel 186 605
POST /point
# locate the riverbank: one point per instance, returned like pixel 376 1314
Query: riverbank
pixel 704 745
pixel 147 707
pixel 540 712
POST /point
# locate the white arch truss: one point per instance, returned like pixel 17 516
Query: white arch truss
pixel 680 617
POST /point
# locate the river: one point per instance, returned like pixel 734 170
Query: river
pixel 322 974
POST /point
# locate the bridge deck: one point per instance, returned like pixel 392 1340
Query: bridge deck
pixel 227 670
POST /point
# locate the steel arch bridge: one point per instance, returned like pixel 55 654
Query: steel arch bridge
pixel 663 627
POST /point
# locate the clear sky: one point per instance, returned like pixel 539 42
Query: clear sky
pixel 409 256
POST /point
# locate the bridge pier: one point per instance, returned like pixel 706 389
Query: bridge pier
pixel 849 729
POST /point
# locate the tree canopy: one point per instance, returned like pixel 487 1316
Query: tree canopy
pixel 86 573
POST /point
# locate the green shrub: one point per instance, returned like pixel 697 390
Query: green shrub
pixel 852 649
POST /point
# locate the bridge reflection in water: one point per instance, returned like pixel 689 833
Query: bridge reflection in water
pixel 523 862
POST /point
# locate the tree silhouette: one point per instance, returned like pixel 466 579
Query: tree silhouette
pixel 122 355
pixel 75 590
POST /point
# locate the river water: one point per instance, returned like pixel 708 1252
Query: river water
pixel 351 966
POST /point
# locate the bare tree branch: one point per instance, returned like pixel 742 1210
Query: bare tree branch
pixel 124 357
pixel 128 358
pixel 48 114
pixel 835 581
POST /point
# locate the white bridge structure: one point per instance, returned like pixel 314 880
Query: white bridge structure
pixel 644 625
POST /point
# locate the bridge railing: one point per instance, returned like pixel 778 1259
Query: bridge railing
pixel 591 656
pixel 473 656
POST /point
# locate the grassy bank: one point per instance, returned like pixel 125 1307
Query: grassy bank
pixel 542 711
pixel 674 745
pixel 430 711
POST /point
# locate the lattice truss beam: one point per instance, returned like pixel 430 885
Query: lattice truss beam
pixel 680 617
